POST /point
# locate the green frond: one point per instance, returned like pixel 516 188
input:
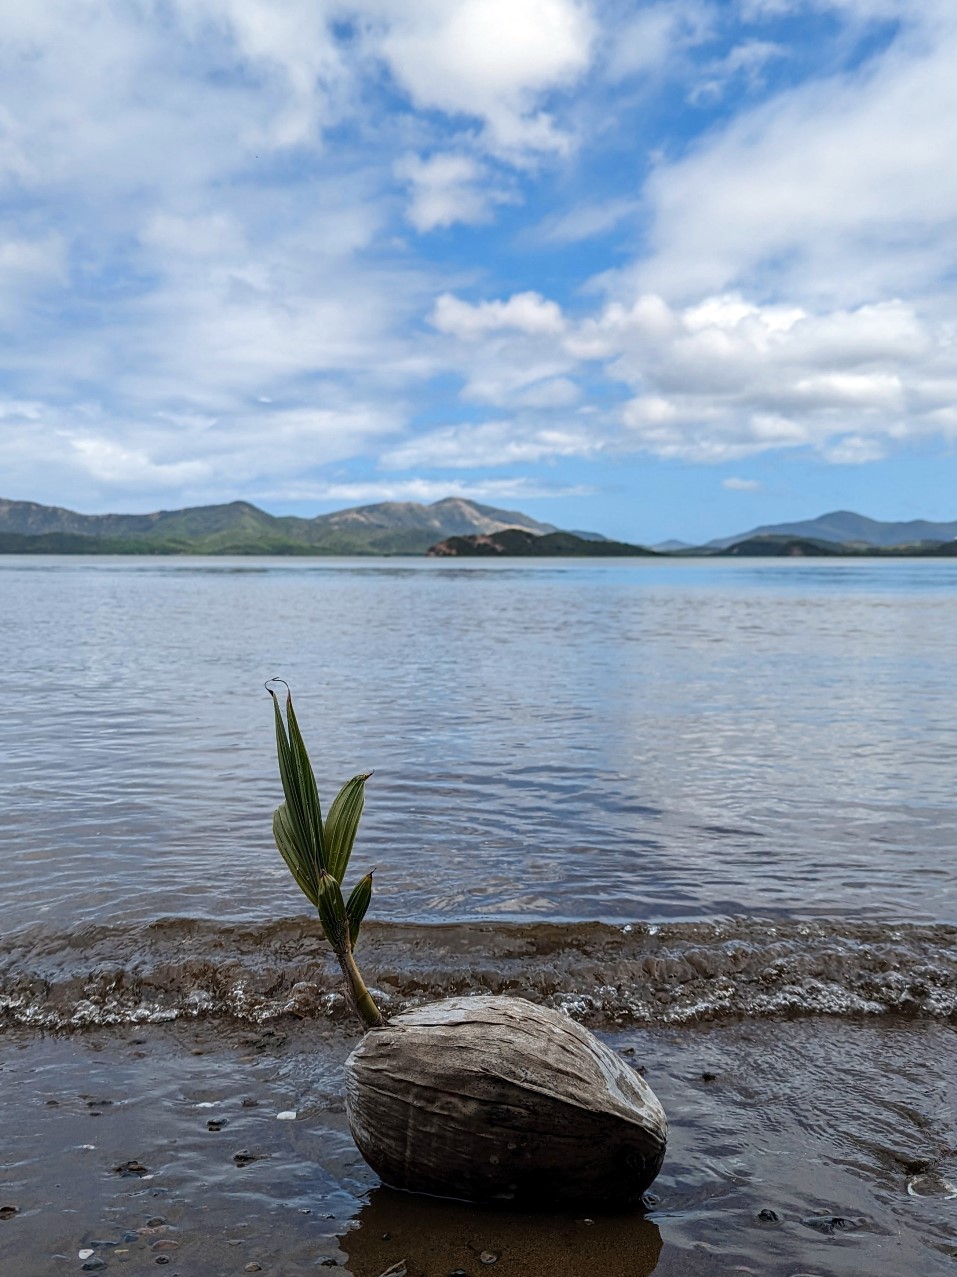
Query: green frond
pixel 332 912
pixel 341 825
pixel 356 906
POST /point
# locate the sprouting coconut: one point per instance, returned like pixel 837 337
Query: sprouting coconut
pixel 481 1098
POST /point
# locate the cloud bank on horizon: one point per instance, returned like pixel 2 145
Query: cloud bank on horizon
pixel 317 252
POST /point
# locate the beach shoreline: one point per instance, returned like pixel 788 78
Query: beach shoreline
pixel 842 1131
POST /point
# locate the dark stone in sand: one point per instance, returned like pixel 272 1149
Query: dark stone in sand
pixel 132 1168
pixel 768 1216
pixel 8 1212
pixel 162 1259
pixel 709 1077
pixel 250 1104
pixel 327 1261
pixel 244 1157
pixel 130 1237
pixel 216 1123
pixel 154 1221
pixel 829 1223
pixel 92 1265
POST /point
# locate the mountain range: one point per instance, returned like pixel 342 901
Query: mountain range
pixel 404 527
pixel 843 527
pixel 392 527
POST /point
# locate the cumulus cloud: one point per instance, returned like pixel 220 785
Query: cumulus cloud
pixel 447 188
pixel 525 312
pixel 741 485
pixel 208 281
pixel 722 379
pixel 491 59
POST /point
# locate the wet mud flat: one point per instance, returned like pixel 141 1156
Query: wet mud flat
pixel 818 1147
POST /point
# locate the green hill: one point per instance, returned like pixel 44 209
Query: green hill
pixel 518 542
pixel 242 528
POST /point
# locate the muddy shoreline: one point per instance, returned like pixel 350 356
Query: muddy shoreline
pixel 608 976
pixel 816 1147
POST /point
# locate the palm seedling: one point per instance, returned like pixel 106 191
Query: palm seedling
pixel 317 852
pixel 476 1097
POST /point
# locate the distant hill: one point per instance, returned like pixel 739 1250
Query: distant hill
pixel 805 547
pixel 781 546
pixel 241 528
pixel 846 528
pixel 520 542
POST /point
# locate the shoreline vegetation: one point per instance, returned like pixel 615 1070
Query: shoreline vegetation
pixel 453 527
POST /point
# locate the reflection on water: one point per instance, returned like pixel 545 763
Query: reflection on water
pixel 569 741
pixel 428 1236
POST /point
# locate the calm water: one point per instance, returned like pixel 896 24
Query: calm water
pixel 566 741
pixel 720 797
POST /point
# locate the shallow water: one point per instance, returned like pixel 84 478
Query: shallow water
pixel 707 809
pixel 561 741
pixel 846 1132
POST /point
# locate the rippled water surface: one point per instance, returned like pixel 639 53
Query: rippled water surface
pixel 562 740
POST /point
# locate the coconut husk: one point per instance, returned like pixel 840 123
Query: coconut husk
pixel 488 1098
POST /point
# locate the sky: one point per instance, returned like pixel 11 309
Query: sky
pixel 667 269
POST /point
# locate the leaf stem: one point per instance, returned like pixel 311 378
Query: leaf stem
pixel 359 997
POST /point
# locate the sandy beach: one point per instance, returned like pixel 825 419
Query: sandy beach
pixel 805 1148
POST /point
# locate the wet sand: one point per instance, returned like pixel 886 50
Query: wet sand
pixel 843 1132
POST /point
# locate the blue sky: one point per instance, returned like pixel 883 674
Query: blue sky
pixel 661 270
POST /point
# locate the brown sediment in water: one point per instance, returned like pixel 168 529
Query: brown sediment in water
pixel 817 1146
pixel 607 976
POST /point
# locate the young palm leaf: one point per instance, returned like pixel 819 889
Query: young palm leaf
pixel 342 823
pixel 317 853
pixel 356 906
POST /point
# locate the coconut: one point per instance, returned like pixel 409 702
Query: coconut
pixel 487 1098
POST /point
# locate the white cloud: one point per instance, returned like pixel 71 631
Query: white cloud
pixel 207 281
pixel 741 485
pixel 525 312
pixel 745 62
pixel 854 451
pixel 839 191
pixel 447 188
pixel 654 39
pixel 427 490
pixel 584 221
pixel 491 443
pixel 492 60
pixel 721 379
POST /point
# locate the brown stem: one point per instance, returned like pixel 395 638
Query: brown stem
pixel 360 999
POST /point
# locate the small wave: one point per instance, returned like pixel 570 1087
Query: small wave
pixel 606 976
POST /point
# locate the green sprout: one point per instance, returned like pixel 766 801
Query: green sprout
pixel 317 851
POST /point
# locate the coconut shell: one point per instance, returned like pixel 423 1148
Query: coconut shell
pixel 488 1098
